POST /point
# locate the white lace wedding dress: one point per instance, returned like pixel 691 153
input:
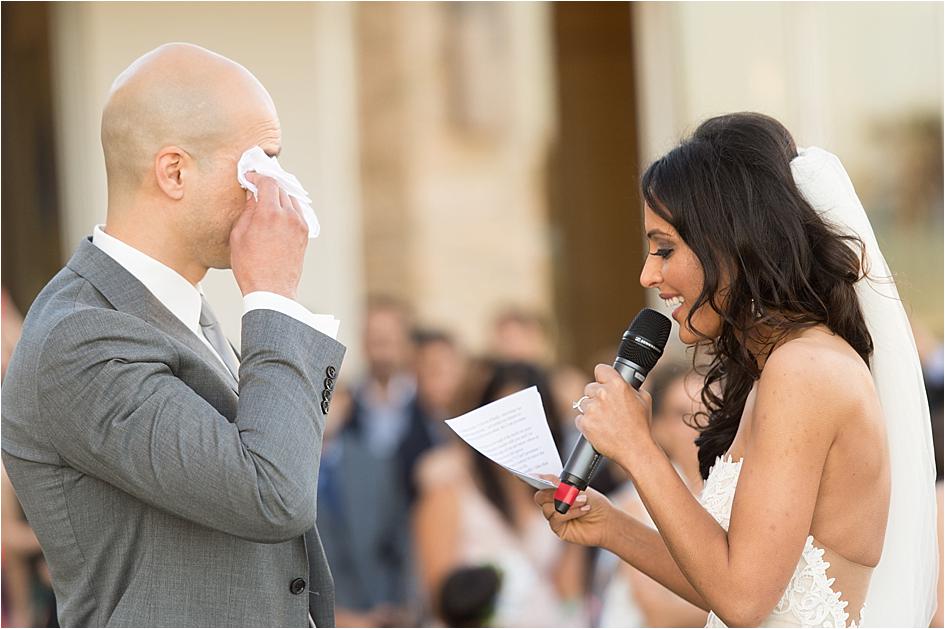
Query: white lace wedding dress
pixel 809 599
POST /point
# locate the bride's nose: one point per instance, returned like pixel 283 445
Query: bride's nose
pixel 650 276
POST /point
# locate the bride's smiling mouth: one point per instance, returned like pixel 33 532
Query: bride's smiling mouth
pixel 676 302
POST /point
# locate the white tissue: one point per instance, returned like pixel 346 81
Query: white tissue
pixel 255 159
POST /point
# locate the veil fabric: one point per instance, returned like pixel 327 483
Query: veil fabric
pixel 903 587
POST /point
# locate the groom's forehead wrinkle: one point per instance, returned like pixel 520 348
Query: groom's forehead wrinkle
pixel 261 128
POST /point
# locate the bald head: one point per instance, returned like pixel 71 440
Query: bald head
pixel 176 95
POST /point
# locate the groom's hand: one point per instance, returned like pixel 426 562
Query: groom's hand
pixel 586 523
pixel 267 244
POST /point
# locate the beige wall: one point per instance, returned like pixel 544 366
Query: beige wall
pixel 840 75
pixel 303 53
pixel 456 120
pixel 825 69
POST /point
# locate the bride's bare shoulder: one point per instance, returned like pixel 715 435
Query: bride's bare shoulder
pixel 824 371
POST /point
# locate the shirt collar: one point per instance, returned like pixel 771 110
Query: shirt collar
pixel 178 295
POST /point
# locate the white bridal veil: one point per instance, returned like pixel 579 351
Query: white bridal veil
pixel 903 587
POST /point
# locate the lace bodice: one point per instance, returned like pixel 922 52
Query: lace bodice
pixel 809 599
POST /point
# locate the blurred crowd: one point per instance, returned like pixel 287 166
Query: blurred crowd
pixel 418 528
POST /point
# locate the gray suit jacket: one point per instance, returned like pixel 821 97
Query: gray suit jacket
pixel 163 495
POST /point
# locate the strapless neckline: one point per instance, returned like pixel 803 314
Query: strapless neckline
pixel 809 599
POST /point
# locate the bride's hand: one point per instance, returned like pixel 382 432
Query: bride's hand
pixel 614 417
pixel 585 523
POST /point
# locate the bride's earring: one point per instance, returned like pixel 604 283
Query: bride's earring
pixel 755 310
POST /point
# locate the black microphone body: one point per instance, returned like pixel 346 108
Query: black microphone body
pixel 640 348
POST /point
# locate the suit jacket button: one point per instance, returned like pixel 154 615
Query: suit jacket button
pixel 329 383
pixel 331 371
pixel 325 407
pixel 297 586
pixel 326 395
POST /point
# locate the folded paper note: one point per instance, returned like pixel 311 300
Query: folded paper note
pixel 514 433
pixel 255 159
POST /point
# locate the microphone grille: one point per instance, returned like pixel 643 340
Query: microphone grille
pixel 650 327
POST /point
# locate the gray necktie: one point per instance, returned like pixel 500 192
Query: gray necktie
pixel 211 330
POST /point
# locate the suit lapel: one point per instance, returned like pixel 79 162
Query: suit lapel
pixel 130 296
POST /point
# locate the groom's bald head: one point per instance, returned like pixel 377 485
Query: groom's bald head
pixel 176 95
pixel 173 129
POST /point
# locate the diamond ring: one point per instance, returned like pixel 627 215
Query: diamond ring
pixel 577 405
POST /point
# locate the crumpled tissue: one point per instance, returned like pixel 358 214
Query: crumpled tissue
pixel 255 159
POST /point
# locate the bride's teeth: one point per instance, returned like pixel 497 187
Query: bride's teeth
pixel 674 302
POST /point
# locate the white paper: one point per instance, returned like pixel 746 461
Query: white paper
pixel 514 433
pixel 255 159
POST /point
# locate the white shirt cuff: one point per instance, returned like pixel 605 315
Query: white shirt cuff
pixel 326 324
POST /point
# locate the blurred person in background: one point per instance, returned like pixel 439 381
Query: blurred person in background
pixel 469 595
pixel 472 512
pixel 28 599
pixel 519 334
pixel 365 552
pixel 629 597
pixel 12 324
pixel 441 370
pixel 367 473
pixel 386 417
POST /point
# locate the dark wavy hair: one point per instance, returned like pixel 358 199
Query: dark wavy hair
pixel 729 193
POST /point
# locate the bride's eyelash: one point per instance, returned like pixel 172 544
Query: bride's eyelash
pixel 663 253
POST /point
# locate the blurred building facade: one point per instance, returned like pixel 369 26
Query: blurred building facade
pixel 469 156
pixel 862 79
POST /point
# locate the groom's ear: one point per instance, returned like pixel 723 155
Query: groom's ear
pixel 172 165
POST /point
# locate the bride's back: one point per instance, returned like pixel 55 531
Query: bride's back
pixel 849 519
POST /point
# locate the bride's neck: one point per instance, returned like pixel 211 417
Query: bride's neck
pixel 762 340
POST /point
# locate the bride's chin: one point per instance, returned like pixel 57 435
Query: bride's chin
pixel 687 338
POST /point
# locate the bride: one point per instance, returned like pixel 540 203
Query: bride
pixel 818 507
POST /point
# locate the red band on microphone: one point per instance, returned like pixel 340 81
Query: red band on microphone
pixel 566 493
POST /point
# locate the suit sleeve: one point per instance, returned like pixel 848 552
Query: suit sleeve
pixel 117 411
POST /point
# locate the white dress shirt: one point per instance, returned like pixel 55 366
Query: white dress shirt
pixel 183 299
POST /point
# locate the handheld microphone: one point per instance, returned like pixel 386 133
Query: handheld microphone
pixel 641 346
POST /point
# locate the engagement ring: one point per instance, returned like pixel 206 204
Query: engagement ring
pixel 577 405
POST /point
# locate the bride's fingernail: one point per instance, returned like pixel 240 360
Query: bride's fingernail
pixel 582 498
pixel 586 508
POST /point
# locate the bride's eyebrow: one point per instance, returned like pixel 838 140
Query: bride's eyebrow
pixel 657 232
